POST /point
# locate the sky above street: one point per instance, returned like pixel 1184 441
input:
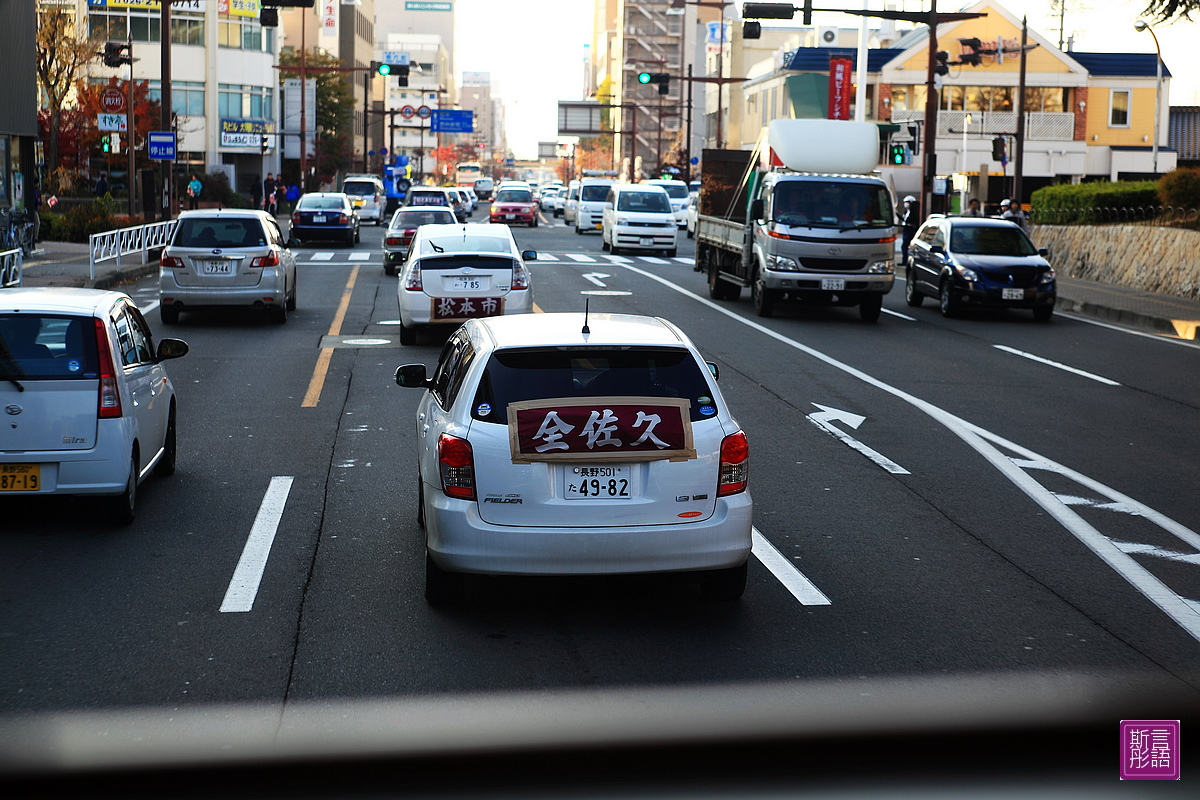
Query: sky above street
pixel 535 49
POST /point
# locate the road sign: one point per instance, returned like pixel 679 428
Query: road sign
pixel 424 111
pixel 408 112
pixel 112 101
pixel 395 58
pixel 111 122
pixel 383 151
pixel 161 145
pixel 453 121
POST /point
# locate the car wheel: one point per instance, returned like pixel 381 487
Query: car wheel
pixel 725 585
pixel 420 501
pixel 166 463
pixel 169 314
pixel 578 230
pixel 949 307
pixel 122 508
pixel 604 245
pixel 533 221
pixel 719 289
pixel 671 253
pixel 378 222
pixel 443 588
pixel 911 295
pixel 291 301
pixel 408 336
pixel 357 235
pixel 691 234
pixel 279 313
pixel 388 269
pixel 1043 313
pixel 870 307
pixel 764 301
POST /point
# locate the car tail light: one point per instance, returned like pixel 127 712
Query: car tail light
pixel 271 260
pixel 735 465
pixel 457 464
pixel 408 235
pixel 171 262
pixel 343 219
pixel 395 241
pixel 413 282
pixel 520 278
pixel 109 406
pixel 295 217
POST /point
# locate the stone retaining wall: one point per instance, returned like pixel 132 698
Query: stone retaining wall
pixel 1148 258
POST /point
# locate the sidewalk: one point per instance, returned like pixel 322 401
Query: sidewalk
pixel 66 264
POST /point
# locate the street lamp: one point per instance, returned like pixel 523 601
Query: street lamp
pixel 1141 25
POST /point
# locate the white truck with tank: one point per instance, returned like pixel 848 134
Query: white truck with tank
pixel 803 219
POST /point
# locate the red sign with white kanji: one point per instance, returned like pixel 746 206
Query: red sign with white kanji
pixel 457 309
pixel 601 429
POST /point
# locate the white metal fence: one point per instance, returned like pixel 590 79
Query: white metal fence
pixel 1039 125
pixel 124 242
pixel 10 268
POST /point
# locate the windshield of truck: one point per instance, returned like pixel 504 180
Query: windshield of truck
pixel 643 201
pixel 831 204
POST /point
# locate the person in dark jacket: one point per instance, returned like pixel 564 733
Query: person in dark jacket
pixel 910 220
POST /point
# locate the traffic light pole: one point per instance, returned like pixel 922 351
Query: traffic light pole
pixel 132 135
pixel 929 162
pixel 168 167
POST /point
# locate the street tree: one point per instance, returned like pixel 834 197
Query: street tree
pixel 62 56
pixel 1167 10
pixel 334 112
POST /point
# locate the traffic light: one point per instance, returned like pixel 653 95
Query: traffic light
pixel 973 53
pixel 942 65
pixel 915 132
pixel 379 68
pixel 643 77
pixel 751 30
pixel 262 145
pixel 897 154
pixel 106 143
pixel 400 72
pixel 998 149
pixel 269 17
pixel 114 54
pixel 664 82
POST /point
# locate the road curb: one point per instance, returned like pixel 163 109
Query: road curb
pixel 1119 316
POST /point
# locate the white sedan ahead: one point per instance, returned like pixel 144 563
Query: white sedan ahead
pixel 460 272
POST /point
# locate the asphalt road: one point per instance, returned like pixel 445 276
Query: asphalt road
pixel 975 496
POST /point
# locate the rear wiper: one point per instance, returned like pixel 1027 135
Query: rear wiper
pixel 437 249
pixel 14 382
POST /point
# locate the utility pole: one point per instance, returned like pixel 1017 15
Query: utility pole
pixel 1019 160
pixel 929 164
pixel 168 167
pixel 132 134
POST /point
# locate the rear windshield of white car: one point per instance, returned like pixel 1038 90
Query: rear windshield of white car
pixel 316 202
pixel 413 219
pixel 463 260
pixel 201 232
pixel 514 196
pixel 676 190
pixel 465 243
pixel 544 373
pixel 361 188
pixel 47 347
pixel 643 201
pixel 594 193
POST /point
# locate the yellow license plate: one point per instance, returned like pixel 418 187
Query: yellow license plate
pixel 358 203
pixel 20 477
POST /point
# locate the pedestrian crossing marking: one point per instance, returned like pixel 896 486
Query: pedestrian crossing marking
pixel 619 259
pixel 360 256
pixel 691 262
pixel 580 257
pixel 653 260
pixel 546 257
pixel 322 256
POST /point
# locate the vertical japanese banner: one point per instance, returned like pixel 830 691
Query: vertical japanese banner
pixel 841 86
pixel 329 17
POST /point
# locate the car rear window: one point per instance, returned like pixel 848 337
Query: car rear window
pixel 514 196
pixel 464 243
pixel 515 375
pixel 212 232
pixel 594 193
pixel 643 201
pixel 460 261
pixel 361 188
pixel 413 219
pixel 321 203
pixel 47 347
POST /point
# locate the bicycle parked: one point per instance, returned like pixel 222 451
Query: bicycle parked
pixel 17 231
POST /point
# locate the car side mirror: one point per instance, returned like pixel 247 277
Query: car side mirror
pixel 757 209
pixel 1044 252
pixel 714 369
pixel 171 348
pixel 529 255
pixel 412 376
pixel 938 250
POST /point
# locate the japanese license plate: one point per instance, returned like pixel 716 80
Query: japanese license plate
pixel 358 202
pixel 510 216
pixel 218 267
pixel 599 226
pixel 1012 294
pixel 318 217
pixel 598 483
pixel 833 284
pixel 20 477
pixel 466 284
pixel 646 242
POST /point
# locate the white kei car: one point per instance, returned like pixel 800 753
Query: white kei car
pixel 89 407
pixel 558 444
pixel 459 272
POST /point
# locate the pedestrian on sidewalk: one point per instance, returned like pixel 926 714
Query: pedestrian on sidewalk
pixel 268 193
pixel 973 209
pixel 1011 211
pixel 909 222
pixel 194 188
pixel 101 185
pixel 255 192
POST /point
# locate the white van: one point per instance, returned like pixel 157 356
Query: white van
pixel 589 209
pixel 638 216
pixel 367 195
pixel 678 192
pixel 570 201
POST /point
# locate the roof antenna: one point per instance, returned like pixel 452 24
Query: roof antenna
pixel 586 330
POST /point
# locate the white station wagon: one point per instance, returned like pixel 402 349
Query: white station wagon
pixel 88 406
pixel 554 444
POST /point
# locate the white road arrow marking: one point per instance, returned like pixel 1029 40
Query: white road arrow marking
pixel 595 277
pixel 824 420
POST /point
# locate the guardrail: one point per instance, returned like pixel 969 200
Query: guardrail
pixel 1165 216
pixel 10 268
pixel 140 239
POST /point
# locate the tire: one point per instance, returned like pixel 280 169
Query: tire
pixel 420 502
pixel 724 585
pixel 911 295
pixel 168 314
pixel 948 307
pixel 716 286
pixel 291 301
pixel 870 307
pixel 764 300
pixel 578 230
pixel 388 269
pixel 408 336
pixel 691 234
pixel 1043 313
pixel 123 508
pixel 166 463
pixel 671 253
pixel 357 235
pixel 604 245
pixel 443 588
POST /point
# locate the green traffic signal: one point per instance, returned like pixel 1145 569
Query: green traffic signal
pixel 384 69
pixel 643 77
pixel 897 154
pixel 106 143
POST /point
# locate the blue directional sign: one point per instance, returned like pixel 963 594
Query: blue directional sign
pixel 453 121
pixel 161 145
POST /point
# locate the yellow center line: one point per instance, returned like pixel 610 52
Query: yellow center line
pixel 318 379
